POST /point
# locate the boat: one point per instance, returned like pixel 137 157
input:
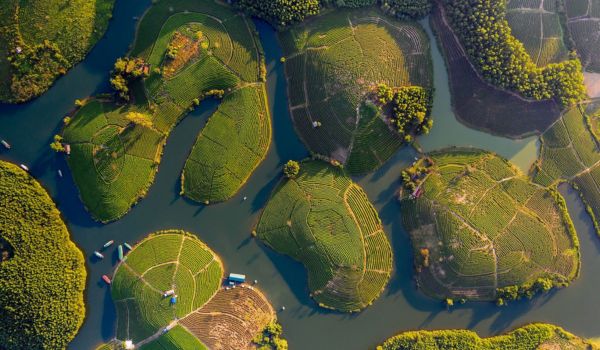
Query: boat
pixel 5 144
pixel 127 246
pixel 106 279
pixel 24 167
pixel 120 250
pixel 108 244
pixel 98 255
pixel 60 173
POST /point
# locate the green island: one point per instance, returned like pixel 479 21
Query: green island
pixel 582 22
pixel 42 272
pixel 42 39
pixel 203 314
pixel 334 64
pixel 184 52
pixel 537 336
pixel 323 220
pixel 481 230
pixel 569 152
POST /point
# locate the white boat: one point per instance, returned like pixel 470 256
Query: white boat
pixel 24 167
pixel 108 244
pixel 5 144
pixel 98 255
pixel 60 173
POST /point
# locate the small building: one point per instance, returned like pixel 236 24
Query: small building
pixel 67 149
pixel 174 300
pixel 237 278
pixel 129 344
pixel 168 293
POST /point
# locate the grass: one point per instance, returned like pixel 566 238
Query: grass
pixel 177 338
pixel 42 276
pixel 582 21
pixel 503 113
pixel 332 62
pixel 485 226
pixel 327 223
pixel 114 163
pixel 232 319
pixel 570 153
pixel 72 29
pixel 537 25
pixel 163 261
pixel 529 337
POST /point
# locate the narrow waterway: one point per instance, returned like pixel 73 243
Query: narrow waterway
pixel 226 227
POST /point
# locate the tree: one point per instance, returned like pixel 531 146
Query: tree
pixel 125 72
pixel 280 13
pixel 139 119
pixel 291 169
pixel 57 145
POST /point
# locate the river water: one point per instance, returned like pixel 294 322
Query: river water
pixel 226 227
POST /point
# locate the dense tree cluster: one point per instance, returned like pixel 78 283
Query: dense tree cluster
pixel 413 176
pixel 529 337
pixel 412 9
pixel 280 13
pixel 291 169
pixel 270 338
pixel 410 109
pixel 125 72
pixel 541 285
pixel 43 276
pixel 502 59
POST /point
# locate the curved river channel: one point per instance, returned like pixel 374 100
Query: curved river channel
pixel 226 227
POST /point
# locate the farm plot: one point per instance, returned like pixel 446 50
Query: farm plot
pixel 570 153
pixel 478 225
pixel 537 25
pixel 332 62
pixel 232 319
pixel 41 39
pixel 481 105
pixel 583 21
pixel 326 222
pixel 228 149
pixel 195 50
pixel 177 338
pixel 167 260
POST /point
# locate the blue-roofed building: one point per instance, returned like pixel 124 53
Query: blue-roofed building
pixel 237 278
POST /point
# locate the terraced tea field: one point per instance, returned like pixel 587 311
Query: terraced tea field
pixel 206 315
pixel 570 153
pixel 483 226
pixel 326 222
pixel 482 106
pixel 231 319
pixel 45 38
pixel 332 62
pixel 583 20
pixel 537 25
pixel 195 50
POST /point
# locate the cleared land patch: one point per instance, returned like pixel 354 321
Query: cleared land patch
pixel 537 336
pixel 481 105
pixel 570 153
pixel 537 25
pixel 43 39
pixel 325 221
pixel 205 314
pixel 194 50
pixel 583 21
pixel 479 226
pixel 332 62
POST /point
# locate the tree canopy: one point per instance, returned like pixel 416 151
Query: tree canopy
pixel 42 273
pixel 280 13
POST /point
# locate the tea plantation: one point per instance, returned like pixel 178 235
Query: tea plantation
pixel 582 21
pixel 191 51
pixel 41 39
pixel 570 153
pixel 42 272
pixel 482 231
pixel 530 337
pixel 326 222
pixel 205 313
pixel 333 63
